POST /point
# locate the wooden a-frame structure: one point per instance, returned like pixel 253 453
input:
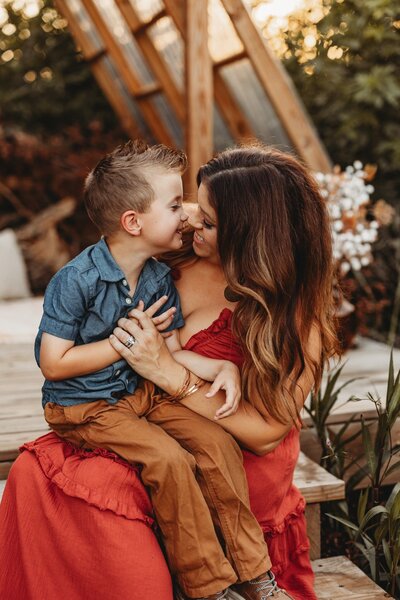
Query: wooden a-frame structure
pixel 153 61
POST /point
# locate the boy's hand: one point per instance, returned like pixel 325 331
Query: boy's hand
pixel 163 321
pixel 228 379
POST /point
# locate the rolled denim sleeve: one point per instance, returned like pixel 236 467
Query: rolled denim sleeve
pixel 167 288
pixel 65 304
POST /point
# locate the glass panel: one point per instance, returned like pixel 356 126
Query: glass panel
pixel 129 102
pixel 222 136
pixel 168 42
pixel 241 78
pixel 85 23
pixel 223 40
pixel 120 31
pixel 168 116
pixel 146 9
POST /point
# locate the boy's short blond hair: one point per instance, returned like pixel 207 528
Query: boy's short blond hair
pixel 119 183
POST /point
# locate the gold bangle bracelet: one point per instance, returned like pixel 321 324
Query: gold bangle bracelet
pixel 186 389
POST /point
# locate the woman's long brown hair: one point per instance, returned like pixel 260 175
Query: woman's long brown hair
pixel 275 246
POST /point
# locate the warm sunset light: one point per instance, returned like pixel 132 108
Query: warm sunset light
pixel 276 8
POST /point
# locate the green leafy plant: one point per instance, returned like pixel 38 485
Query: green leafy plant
pixel 376 530
pixel 333 444
pixel 377 536
pixel 379 449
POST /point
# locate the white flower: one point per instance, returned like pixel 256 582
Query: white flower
pixel 347 193
pixel 355 264
pixel 345 267
pixel 338 225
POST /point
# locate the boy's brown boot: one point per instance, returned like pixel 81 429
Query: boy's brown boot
pixel 260 588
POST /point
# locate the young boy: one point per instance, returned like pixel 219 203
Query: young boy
pixel 134 196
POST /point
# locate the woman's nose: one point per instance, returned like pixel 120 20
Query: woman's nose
pixel 195 221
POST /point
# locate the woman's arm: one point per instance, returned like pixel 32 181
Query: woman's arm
pixel 260 433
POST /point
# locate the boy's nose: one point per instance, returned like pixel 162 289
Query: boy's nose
pixel 184 217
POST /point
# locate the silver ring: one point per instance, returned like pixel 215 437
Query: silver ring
pixel 130 341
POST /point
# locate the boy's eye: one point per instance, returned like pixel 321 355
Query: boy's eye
pixel 207 225
pixel 176 206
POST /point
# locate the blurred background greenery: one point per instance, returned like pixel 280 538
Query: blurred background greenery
pixel 342 55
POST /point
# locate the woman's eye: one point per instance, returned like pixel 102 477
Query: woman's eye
pixel 207 225
pixel 176 207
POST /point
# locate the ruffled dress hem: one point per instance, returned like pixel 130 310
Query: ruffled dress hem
pixel 114 488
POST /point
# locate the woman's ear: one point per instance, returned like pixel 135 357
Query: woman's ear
pixel 130 222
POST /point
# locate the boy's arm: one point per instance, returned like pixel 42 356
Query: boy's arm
pixel 61 359
pixel 224 374
pixel 66 302
pixel 202 366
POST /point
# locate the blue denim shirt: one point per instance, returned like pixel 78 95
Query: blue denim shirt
pixel 83 303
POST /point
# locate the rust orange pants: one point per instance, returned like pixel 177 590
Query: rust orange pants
pixel 194 471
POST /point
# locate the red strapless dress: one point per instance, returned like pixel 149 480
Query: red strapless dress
pixel 275 501
pixel 78 525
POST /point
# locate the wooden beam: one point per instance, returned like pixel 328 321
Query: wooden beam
pixel 103 77
pixel 279 89
pixel 233 116
pixel 150 114
pixel 199 90
pixel 143 25
pixel 151 54
pixel 228 60
pixel 147 90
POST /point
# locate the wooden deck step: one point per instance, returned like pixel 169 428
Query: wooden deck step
pixel 316 485
pixel 338 577
pixel 21 413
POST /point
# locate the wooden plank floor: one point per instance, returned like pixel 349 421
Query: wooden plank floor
pixel 21 413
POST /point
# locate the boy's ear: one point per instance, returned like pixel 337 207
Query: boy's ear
pixel 130 222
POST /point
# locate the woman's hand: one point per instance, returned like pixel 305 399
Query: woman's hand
pixel 137 340
pixel 228 379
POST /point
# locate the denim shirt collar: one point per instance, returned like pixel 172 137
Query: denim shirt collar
pixel 110 271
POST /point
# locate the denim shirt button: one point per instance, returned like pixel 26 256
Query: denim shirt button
pixel 117 372
pixel 128 300
pixel 124 282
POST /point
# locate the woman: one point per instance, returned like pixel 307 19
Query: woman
pixel 259 294
pixel 262 240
